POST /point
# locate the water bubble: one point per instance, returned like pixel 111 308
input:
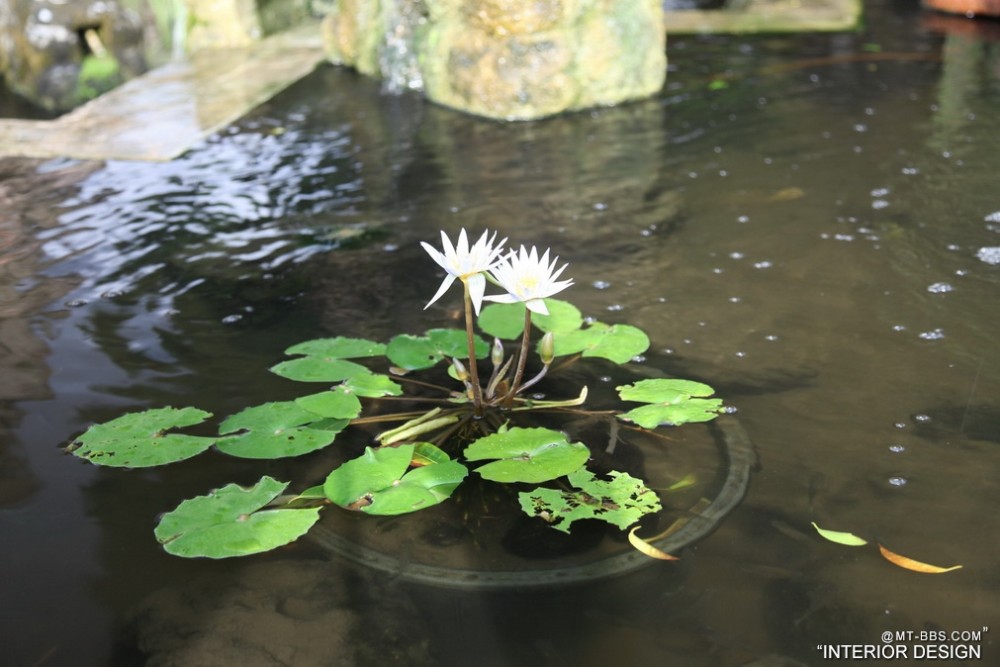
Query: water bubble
pixel 771 337
pixel 990 255
pixel 589 319
pixel 717 270
pixel 922 418
pixel 661 299
pixel 743 219
pixel 961 273
pixel 993 217
pixel 390 247
pixel 601 284
pixel 692 174
pixel 616 307
pixel 76 303
pixel 723 173
pixel 897 481
pixel 763 264
pixel 879 204
pixel 860 127
pixel 232 319
pixel 934 334
pixel 939 288
pixel 953 247
pixel 736 255
pixel 735 299
pixel 911 171
pixel 900 425
pixel 668 350
pixel 730 410
pixel 639 358
pixel 600 206
pixel 899 327
pixel 740 355
pixel 897 448
pixel 605 378
pixel 538 396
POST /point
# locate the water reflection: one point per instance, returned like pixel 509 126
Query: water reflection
pixel 786 235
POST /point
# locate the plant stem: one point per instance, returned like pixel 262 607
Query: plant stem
pixel 521 360
pixel 477 391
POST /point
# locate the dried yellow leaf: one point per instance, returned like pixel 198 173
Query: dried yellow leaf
pixel 910 564
pixel 644 547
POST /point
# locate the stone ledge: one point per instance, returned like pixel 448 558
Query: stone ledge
pixel 161 114
pixel 752 16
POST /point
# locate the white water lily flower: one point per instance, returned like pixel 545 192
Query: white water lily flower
pixel 465 263
pixel 528 279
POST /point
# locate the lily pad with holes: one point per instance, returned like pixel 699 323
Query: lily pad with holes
pixel 377 482
pixel 230 522
pixel 141 439
pixel 527 455
pixel 418 352
pixel 671 402
pixel 276 430
pixel 615 342
pixel 620 501
pixel 506 320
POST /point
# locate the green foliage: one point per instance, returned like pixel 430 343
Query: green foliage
pixel 324 359
pixel 338 403
pixel 139 440
pixel 377 482
pixel 418 352
pixel 338 348
pixel 526 455
pixel 620 501
pixel 616 342
pixel 672 402
pixel 229 522
pixel 276 430
pixel 371 385
pixel 506 320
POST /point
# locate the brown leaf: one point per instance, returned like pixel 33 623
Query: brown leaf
pixel 914 565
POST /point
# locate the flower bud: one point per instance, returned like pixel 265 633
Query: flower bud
pixel 460 372
pixel 547 348
pixel 496 355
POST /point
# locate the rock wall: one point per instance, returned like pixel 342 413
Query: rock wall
pixel 505 59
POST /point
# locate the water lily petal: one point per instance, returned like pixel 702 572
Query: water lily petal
pixel 477 288
pixel 445 284
pixel 536 306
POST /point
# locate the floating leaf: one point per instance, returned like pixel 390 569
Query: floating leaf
pixel 418 352
pixel 645 548
pixel 338 348
pixel 672 402
pixel 377 482
pixel 506 320
pixel 372 385
pixel 276 430
pixel 139 439
pixel 916 566
pixel 338 403
pixel 425 454
pixel 849 539
pixel 618 342
pixel 318 369
pixel 620 501
pixel 527 455
pixel 227 522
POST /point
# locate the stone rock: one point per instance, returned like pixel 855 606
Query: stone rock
pixel 238 23
pixel 505 59
pixel 44 52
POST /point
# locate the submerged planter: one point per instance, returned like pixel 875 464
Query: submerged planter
pixel 478 540
pixel 505 59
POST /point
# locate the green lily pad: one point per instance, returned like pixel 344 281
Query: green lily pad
pixel 617 342
pixel 318 369
pixel 276 430
pixel 139 439
pixel 338 403
pixel 620 501
pixel 228 522
pixel 372 385
pixel 377 482
pixel 527 455
pixel 424 454
pixel 506 320
pixel 338 348
pixel 673 402
pixel 418 352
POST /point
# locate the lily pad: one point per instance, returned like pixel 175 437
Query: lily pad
pixel 616 342
pixel 418 352
pixel 276 430
pixel 527 455
pixel 228 522
pixel 140 439
pixel 338 403
pixel 506 320
pixel 372 385
pixel 377 482
pixel 672 402
pixel 620 501
pixel 338 348
pixel 318 369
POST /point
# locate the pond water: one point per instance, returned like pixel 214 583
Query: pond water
pixel 811 224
